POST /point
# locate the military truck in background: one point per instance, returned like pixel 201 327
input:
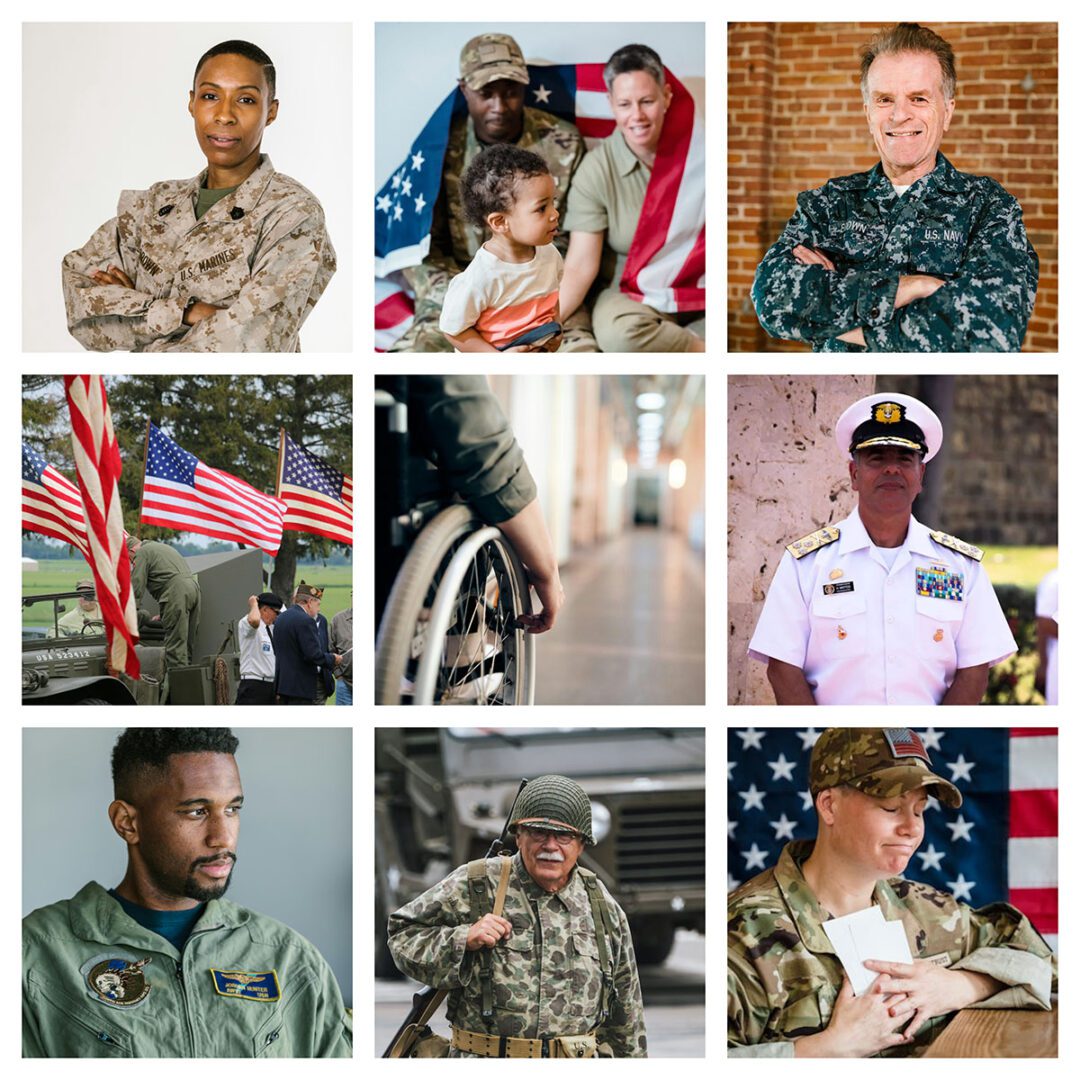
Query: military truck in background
pixel 59 670
pixel 443 794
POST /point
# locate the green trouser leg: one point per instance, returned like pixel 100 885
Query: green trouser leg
pixel 180 617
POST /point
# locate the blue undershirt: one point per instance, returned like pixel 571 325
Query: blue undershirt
pixel 174 926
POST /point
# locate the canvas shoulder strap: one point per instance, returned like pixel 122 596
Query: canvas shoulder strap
pixel 479 891
pixel 601 919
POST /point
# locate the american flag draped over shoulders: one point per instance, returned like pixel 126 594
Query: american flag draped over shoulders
pixel 318 496
pixel 97 463
pixel 51 503
pixel 181 492
pixel 665 266
pixel 1000 845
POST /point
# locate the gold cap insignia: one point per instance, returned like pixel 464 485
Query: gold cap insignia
pixel 888 412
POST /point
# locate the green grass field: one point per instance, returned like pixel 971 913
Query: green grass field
pixel 1024 566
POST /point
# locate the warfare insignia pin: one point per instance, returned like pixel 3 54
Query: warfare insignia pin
pixel 834 574
pixel 117 981
pixel 249 985
pixel 888 412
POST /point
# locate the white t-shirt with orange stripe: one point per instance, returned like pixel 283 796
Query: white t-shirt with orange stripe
pixel 503 300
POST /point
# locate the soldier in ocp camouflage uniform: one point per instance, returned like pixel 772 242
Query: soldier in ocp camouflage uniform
pixel 232 260
pixel 787 992
pixel 487 59
pixel 561 965
pixel 912 256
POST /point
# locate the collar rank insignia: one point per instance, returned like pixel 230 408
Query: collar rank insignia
pixel 813 541
pixel 970 550
pixel 117 981
pixel 249 985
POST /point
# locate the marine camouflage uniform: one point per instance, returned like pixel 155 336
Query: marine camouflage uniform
pixel 163 1002
pixel 546 978
pixel 455 240
pixel 160 570
pixel 784 976
pixel 261 253
pixel 966 229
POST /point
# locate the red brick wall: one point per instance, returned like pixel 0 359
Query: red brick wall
pixel 785 78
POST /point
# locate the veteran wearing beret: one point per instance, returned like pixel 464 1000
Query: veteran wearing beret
pixel 551 975
pixel 879 609
pixel 788 994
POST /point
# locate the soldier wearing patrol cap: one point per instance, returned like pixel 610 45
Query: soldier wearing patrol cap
pixel 914 255
pixel 788 995
pixel 879 609
pixel 163 965
pixel 549 973
pixel 494 81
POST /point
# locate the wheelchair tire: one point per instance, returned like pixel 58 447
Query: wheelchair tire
pixel 403 630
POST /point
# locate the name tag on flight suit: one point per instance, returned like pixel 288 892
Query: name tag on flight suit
pixel 249 985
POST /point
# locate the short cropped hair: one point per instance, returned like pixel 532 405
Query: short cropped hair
pixel 634 58
pixel 144 752
pixel 909 38
pixel 247 50
pixel 490 182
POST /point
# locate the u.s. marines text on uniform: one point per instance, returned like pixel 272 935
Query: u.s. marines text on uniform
pixel 788 995
pixel 914 255
pixel 232 260
pixel 162 965
pixel 878 609
pixel 555 974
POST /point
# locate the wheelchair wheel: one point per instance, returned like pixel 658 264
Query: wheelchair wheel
pixel 448 635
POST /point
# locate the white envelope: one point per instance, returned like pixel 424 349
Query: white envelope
pixel 865 935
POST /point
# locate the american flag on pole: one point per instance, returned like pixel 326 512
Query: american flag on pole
pixel 1000 845
pixel 665 265
pixel 319 497
pixel 181 492
pixel 97 464
pixel 51 503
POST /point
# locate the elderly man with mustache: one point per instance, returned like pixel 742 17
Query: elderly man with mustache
pixel 551 975
pixel 878 609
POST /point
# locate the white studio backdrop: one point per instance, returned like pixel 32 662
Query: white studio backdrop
pixel 408 92
pixel 105 108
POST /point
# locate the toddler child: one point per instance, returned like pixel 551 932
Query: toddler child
pixel 507 298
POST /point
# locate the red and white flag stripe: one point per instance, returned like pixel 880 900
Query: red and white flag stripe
pixel 393 313
pixel 97 464
pixel 311 512
pixel 54 508
pixel 1033 827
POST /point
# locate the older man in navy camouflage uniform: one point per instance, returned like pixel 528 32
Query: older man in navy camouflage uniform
pixel 912 256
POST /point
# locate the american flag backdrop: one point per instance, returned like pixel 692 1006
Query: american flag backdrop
pixel 181 492
pixel 97 464
pixel 318 496
pixel 1000 845
pixel 51 503
pixel 666 263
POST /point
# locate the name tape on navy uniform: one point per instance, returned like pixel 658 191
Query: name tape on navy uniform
pixel 249 985
pixel 838 586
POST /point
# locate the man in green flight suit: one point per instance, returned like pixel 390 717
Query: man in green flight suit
pixel 495 83
pixel 160 570
pixel 788 992
pixel 161 965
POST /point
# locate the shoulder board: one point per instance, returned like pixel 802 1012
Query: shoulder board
pixel 945 540
pixel 812 541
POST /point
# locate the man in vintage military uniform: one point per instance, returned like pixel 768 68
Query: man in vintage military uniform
pixel 494 80
pixel 878 609
pixel 555 974
pixel 788 995
pixel 160 570
pixel 86 610
pixel 912 256
pixel 162 965
pixel 232 260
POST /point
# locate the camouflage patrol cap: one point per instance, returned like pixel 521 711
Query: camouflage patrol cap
pixel 488 57
pixel 883 762
pixel 556 803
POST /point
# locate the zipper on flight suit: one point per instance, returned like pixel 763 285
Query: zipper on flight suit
pixel 183 998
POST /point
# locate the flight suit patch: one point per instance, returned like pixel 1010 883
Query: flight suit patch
pixel 117 981
pixel 939 582
pixel 250 985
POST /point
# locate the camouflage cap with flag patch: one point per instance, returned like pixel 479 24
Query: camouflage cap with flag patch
pixel 883 762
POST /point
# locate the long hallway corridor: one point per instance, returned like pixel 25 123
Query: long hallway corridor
pixel 632 631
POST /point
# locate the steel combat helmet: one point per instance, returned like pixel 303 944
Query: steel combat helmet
pixel 883 762
pixel 556 803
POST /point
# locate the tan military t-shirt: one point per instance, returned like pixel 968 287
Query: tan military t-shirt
pixel 607 195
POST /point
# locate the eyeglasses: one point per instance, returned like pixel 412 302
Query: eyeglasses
pixel 540 835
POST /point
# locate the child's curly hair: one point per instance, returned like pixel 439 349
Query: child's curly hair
pixel 489 182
